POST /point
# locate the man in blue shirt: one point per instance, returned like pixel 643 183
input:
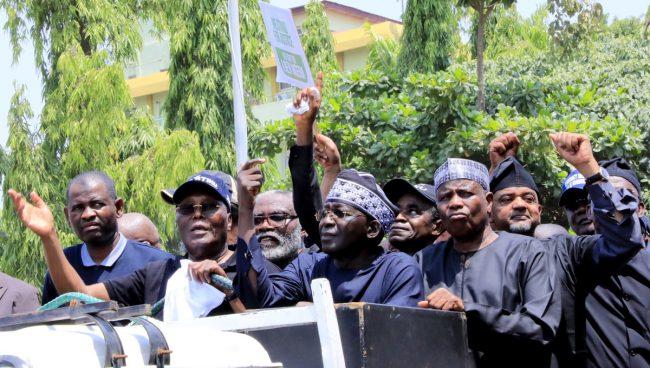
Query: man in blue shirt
pixel 92 211
pixel 354 219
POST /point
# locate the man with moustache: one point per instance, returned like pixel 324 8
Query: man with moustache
pixel 575 201
pixel 505 283
pixel 92 211
pixel 355 216
pixel 203 220
pixel 277 227
pixel 417 223
pixel 582 261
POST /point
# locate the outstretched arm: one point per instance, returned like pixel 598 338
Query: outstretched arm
pixel 38 218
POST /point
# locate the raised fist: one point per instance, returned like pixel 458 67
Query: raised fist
pixel 576 150
pixel 502 147
pixel 250 177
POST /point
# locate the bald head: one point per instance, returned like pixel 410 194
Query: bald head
pixel 138 227
pixel 90 178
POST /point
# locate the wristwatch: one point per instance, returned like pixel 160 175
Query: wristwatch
pixel 603 175
pixel 232 296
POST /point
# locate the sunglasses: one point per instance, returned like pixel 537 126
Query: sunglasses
pixel 274 219
pixel 205 209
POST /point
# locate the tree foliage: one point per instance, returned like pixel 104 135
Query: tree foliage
pixel 317 40
pixel 428 36
pixel 54 26
pixel 573 22
pixel 88 122
pixel 394 128
pixel 200 90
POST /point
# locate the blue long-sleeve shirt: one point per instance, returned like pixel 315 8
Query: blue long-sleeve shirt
pixel 392 278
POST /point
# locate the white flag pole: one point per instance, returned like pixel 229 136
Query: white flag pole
pixel 241 134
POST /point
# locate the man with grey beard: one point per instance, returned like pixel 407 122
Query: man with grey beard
pixel 277 227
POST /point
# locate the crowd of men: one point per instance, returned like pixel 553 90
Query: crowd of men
pixel 472 241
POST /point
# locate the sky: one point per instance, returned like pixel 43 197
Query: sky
pixel 24 70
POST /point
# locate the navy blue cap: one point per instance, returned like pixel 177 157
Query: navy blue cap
pixel 396 188
pixel 511 173
pixel 617 166
pixel 205 179
pixel 573 186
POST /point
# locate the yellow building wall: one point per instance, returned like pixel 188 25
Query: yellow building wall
pixel 338 21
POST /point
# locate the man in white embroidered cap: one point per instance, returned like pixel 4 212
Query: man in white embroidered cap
pixel 505 283
pixel 352 223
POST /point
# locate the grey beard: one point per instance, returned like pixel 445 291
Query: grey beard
pixel 523 228
pixel 289 247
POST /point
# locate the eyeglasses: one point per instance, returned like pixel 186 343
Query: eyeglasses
pixel 274 219
pixel 206 209
pixel 336 213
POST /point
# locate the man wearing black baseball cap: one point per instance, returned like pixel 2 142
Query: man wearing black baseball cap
pixel 575 201
pixel 203 219
pixel 417 223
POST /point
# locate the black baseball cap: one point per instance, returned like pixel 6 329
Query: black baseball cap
pixel 396 188
pixel 204 180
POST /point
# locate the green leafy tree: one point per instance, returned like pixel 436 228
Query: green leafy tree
pixel 427 41
pixel 483 9
pixel 55 26
pixel 317 40
pixel 23 170
pixel 574 21
pixel 200 90
pixel 88 121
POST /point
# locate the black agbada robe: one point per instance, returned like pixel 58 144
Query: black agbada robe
pixel 509 291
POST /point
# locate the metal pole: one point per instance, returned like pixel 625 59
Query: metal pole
pixel 241 134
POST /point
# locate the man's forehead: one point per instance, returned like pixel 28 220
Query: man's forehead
pixel 516 191
pixel 465 184
pixel 277 200
pixel 409 199
pixel 88 188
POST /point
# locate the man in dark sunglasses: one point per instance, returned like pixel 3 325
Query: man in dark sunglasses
pixel 203 220
pixel 277 227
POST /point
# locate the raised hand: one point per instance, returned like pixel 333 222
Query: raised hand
pixel 326 153
pixel 37 216
pixel 250 177
pixel 314 99
pixel 502 147
pixel 443 299
pixel 576 150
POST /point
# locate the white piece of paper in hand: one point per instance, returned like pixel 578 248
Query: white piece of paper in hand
pixel 187 298
pixel 304 104
pixel 292 65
